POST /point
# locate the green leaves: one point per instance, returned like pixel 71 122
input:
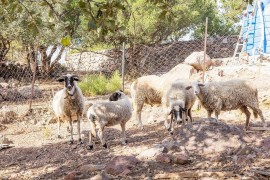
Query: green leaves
pixel 66 41
pixel 92 25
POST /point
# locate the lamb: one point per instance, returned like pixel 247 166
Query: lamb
pixel 228 95
pixel 68 104
pixel 116 111
pixel 177 102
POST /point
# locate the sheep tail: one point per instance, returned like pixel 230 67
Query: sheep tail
pixel 92 125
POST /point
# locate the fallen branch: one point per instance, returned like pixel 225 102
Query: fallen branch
pixel 193 174
pixel 259 129
pixel 262 172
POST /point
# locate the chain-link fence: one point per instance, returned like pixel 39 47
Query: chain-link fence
pixel 16 80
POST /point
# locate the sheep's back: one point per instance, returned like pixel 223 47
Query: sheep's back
pixel 112 113
pixel 230 94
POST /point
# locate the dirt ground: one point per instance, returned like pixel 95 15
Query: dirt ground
pixel 221 147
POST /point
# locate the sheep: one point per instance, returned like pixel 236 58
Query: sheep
pixel 177 102
pixel 146 89
pixel 69 102
pixel 116 111
pixel 228 95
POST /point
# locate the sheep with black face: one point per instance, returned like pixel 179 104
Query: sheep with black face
pixel 116 111
pixel 68 104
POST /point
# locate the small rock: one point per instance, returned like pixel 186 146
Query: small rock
pixel 91 168
pixel 121 165
pixel 150 154
pixel 101 176
pixel 163 158
pixel 180 159
pixel 72 175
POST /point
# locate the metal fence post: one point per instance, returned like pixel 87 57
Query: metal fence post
pixel 123 66
pixel 205 43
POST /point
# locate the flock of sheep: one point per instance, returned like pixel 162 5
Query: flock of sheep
pixel 177 96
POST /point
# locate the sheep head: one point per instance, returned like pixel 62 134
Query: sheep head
pixel 116 95
pixel 196 87
pixel 69 80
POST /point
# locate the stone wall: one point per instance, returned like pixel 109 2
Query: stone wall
pixel 153 59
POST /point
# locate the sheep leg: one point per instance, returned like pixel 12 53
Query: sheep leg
pixel 216 115
pixel 71 130
pixel 256 110
pixel 209 113
pixel 166 123
pixel 138 111
pixel 190 119
pixel 101 137
pixel 190 116
pixel 244 109
pixel 59 125
pixel 79 128
pixel 90 146
pixel 123 126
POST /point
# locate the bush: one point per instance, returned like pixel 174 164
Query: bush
pixel 99 85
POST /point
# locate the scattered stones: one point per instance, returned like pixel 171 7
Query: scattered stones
pixel 121 165
pixel 180 159
pixel 163 158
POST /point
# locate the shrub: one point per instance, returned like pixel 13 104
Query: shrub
pixel 114 83
pixel 99 85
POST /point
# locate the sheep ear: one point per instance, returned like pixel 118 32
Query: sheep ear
pixel 200 84
pixel 170 112
pixel 76 78
pixel 187 88
pixel 121 90
pixel 61 79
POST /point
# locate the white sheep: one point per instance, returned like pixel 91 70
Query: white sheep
pixel 228 95
pixel 177 102
pixel 149 90
pixel 68 104
pixel 116 111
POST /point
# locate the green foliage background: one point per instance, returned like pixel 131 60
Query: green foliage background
pixel 102 24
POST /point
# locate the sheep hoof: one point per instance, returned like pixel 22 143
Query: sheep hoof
pixel 80 141
pixel 105 146
pixel 171 133
pixel 179 122
pixel 169 129
pixel 71 142
pixel 125 142
pixel 90 147
pixel 59 137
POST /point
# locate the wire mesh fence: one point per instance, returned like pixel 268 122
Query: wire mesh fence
pixel 140 59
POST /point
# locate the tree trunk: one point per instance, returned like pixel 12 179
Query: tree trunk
pixel 4 47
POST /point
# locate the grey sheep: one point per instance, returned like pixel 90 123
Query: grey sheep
pixel 68 104
pixel 116 111
pixel 178 102
pixel 228 95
